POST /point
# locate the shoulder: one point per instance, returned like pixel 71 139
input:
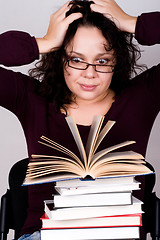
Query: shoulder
pixel 145 85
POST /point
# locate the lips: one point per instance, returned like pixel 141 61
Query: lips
pixel 87 87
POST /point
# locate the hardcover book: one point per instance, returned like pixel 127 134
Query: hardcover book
pixel 105 221
pixel 90 212
pixel 91 233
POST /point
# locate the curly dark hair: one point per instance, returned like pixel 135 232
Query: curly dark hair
pixel 49 70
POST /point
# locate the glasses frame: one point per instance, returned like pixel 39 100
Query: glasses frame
pixel 90 64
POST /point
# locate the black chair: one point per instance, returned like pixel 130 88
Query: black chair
pixel 14 204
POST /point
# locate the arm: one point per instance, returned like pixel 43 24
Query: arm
pixel 147 28
pixel 148 33
pixel 17 48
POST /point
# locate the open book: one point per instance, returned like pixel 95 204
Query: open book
pixel 102 164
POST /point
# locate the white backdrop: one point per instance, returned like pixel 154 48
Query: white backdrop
pixel 33 16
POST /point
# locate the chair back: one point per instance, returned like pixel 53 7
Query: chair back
pixel 14 203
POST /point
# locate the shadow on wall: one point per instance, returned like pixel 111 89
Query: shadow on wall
pixel 153 152
pixel 12 145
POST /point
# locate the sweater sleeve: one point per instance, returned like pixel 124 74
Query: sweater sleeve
pixel 148 33
pixel 147 28
pixel 17 48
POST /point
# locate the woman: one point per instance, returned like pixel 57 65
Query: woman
pixel 86 69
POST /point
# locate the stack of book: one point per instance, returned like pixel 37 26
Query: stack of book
pixel 99 209
pixel 102 208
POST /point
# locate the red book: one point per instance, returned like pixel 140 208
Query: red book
pixel 97 222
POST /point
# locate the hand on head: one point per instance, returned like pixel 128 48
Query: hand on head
pixel 110 9
pixel 57 29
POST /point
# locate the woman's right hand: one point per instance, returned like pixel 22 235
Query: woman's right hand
pixel 57 29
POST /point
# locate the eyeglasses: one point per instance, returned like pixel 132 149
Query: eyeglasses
pixel 79 65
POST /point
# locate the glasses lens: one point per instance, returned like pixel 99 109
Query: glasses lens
pixel 77 64
pixel 104 68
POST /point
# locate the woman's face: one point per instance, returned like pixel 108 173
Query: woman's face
pixel 88 45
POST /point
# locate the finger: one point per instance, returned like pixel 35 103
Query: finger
pixel 103 6
pixel 72 17
pixel 97 8
pixel 59 16
pixel 108 8
pixel 102 2
pixel 62 10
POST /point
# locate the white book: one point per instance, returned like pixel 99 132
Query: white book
pixel 96 182
pixel 89 212
pixel 76 190
pixel 97 199
pixel 90 233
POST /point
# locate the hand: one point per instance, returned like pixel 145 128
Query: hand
pixel 57 29
pixel 110 9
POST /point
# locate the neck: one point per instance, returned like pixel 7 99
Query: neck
pixel 83 111
pixel 98 100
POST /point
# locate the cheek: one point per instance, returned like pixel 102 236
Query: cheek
pixel 69 78
pixel 66 72
pixel 107 80
pixel 71 75
pixel 66 75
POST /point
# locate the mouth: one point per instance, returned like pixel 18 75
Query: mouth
pixel 87 87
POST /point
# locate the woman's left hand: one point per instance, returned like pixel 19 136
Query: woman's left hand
pixel 110 9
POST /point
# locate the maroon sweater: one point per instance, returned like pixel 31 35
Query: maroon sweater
pixel 134 110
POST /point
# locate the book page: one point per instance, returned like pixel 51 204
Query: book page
pixel 50 143
pixel 46 159
pixel 93 136
pixel 52 170
pixel 120 169
pixel 49 168
pixel 109 149
pixel 50 178
pixel 77 138
pixel 103 133
pixel 107 157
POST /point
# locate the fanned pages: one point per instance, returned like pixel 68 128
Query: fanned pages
pixel 78 140
pixel 92 164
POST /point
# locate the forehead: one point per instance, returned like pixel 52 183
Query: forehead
pixel 88 40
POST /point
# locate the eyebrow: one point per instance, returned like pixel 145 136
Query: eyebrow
pixel 98 55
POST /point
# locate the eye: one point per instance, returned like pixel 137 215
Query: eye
pixel 75 59
pixel 102 61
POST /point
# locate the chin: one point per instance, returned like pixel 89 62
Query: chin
pixel 86 98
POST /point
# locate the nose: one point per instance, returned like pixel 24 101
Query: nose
pixel 90 71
